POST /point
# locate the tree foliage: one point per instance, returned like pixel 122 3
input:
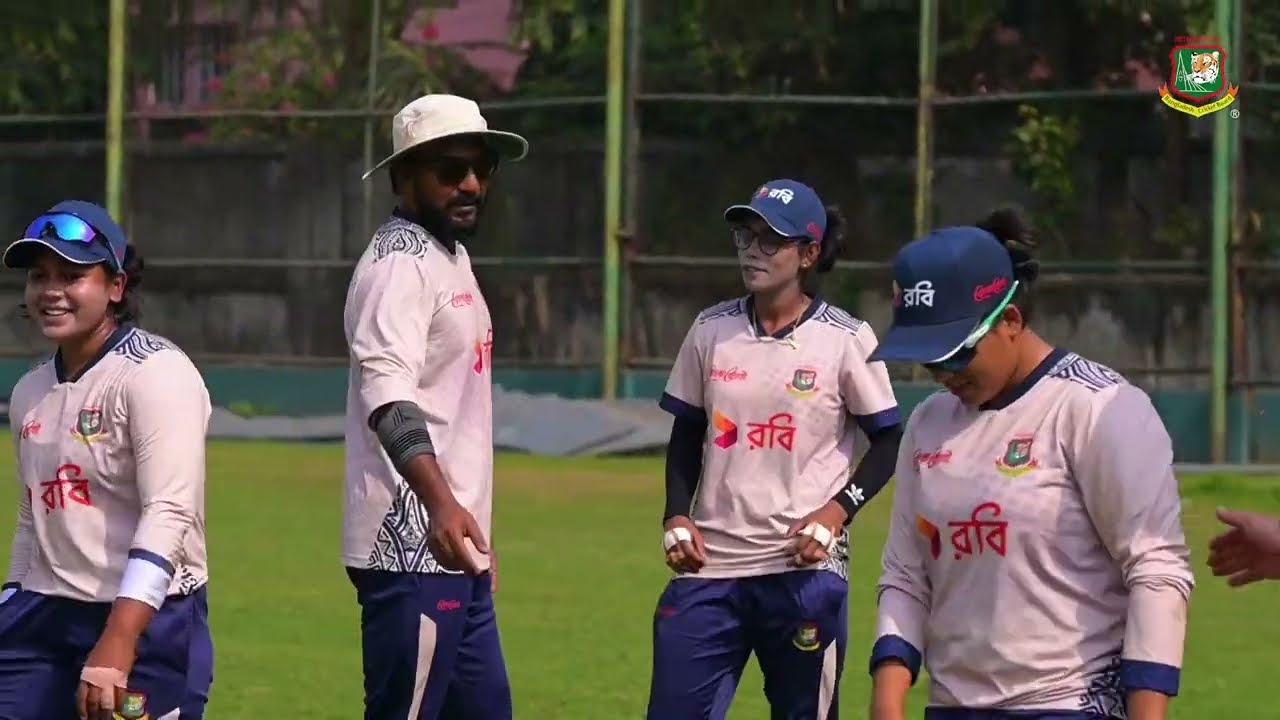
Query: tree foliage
pixel 52 57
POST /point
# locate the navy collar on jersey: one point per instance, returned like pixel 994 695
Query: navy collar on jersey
pixel 1011 396
pixel 448 243
pixel 117 336
pixel 785 330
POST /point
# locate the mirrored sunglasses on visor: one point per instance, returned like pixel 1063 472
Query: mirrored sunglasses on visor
pixel 959 359
pixel 69 228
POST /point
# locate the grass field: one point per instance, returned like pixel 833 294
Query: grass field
pixel 580 573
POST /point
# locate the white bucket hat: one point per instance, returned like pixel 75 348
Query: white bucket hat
pixel 432 117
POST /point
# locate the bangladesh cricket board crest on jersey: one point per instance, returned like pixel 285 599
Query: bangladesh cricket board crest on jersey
pixel 1198 82
pixel 89 425
pixel 804 381
pixel 1017 459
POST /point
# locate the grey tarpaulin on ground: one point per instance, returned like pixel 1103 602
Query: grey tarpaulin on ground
pixel 538 424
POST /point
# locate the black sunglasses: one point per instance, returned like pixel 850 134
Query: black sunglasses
pixel 451 169
pixel 768 241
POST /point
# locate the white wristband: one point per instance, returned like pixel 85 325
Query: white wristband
pixel 145 581
pixel 820 534
pixel 674 537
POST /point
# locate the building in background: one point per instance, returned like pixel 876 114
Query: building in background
pixel 199 50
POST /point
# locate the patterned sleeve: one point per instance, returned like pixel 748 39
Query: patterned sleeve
pixel 865 385
pixel 904 589
pixel 1125 471
pixel 683 396
pixel 387 317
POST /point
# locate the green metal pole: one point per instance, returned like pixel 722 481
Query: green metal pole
pixel 928 51
pixel 1218 258
pixel 614 141
pixel 115 109
pixel 630 191
pixel 928 60
pixel 371 96
pixel 1242 428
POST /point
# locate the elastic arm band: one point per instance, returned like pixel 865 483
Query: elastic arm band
pixel 401 428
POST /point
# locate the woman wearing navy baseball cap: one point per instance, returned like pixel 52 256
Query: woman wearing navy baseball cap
pixel 1035 562
pixel 770 393
pixel 103 607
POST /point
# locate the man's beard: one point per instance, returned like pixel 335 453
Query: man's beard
pixel 437 221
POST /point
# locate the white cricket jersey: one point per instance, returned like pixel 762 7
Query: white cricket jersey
pixel 1036 556
pixel 783 414
pixel 112 467
pixel 418 331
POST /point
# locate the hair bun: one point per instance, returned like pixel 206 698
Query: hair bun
pixel 1019 239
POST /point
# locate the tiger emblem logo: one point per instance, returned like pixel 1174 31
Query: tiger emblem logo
pixel 1204 68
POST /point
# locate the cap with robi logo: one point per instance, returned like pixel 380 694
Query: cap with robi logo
pixel 947 286
pixel 792 209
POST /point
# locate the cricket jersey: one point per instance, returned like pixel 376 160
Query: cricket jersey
pixel 1036 558
pixel 783 414
pixel 419 331
pixel 112 467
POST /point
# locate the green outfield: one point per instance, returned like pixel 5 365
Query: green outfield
pixel 581 569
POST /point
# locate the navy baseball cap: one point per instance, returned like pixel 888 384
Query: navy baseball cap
pixel 791 208
pixel 79 231
pixel 946 284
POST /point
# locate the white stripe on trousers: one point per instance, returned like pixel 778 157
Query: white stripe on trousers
pixel 426 651
pixel 827 686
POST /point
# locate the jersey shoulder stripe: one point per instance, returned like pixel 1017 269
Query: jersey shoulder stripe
pixel 728 308
pixel 398 236
pixel 837 318
pixel 139 345
pixel 1091 375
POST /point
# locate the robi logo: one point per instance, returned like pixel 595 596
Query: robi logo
pixel 728 431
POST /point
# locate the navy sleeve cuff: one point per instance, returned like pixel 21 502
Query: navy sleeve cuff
pixel 879 421
pixel 680 408
pixel 1143 675
pixel 11 586
pixel 153 558
pixel 894 647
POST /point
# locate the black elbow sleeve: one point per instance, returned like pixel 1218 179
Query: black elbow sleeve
pixel 401 428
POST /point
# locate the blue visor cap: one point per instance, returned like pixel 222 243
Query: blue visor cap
pixel 944 286
pixel 792 209
pixel 79 231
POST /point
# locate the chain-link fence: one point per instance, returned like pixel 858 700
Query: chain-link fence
pixel 243 163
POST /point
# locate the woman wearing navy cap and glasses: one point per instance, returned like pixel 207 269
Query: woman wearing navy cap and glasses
pixel 770 393
pixel 1036 561
pixel 103 607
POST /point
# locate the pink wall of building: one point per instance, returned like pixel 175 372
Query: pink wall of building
pixel 479 30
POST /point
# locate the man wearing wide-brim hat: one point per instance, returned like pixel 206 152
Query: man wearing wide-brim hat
pixel 419 430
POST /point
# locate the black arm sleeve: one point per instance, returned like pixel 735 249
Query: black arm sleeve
pixel 873 472
pixel 684 463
